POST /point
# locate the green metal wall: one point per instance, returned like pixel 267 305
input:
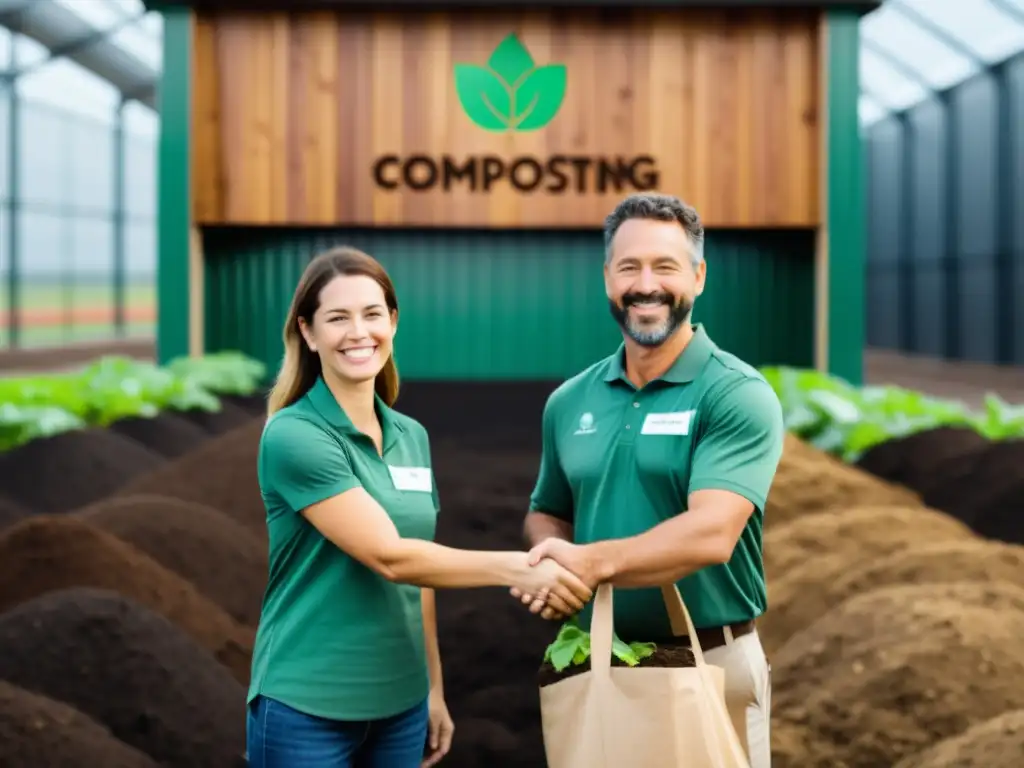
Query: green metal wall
pixel 503 305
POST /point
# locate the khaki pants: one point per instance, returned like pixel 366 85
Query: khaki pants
pixel 748 689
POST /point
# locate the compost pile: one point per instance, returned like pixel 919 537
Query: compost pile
pixel 132 570
pixel 995 743
pixel 36 730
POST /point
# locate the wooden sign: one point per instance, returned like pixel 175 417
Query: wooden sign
pixel 504 119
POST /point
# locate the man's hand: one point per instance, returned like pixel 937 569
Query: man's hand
pixel 577 558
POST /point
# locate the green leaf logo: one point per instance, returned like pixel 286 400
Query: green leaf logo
pixel 511 93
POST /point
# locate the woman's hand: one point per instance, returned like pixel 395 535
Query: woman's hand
pixel 552 584
pixel 441 729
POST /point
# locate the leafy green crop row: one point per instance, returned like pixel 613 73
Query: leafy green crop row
pixel 846 421
pixel 113 388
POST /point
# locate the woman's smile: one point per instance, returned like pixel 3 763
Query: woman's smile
pixel 360 354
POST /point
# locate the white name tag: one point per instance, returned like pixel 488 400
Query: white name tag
pixel 668 423
pixel 411 478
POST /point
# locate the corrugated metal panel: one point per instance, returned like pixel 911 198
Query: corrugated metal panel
pixel 884 237
pixel 507 304
pixel 946 263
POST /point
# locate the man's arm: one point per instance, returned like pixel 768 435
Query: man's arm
pixel 539 526
pixel 734 465
pixel 551 507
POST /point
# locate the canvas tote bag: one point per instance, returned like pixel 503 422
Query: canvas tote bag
pixel 637 717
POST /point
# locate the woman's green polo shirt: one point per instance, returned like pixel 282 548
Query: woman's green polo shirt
pixel 336 639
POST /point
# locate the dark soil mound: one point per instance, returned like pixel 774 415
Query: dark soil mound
pixel 481 743
pixel 810 481
pixel 855 533
pixel 129 669
pixel 996 743
pixel 60 473
pixel 809 590
pixel 38 732
pixel 11 513
pixel 165 434
pixel 254 405
pixel 985 490
pixel 226 562
pixel 913 461
pixel 229 417
pixel 220 474
pixel 50 553
pixel 490 680
pixel 891 672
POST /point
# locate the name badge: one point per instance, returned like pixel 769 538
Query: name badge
pixel 677 423
pixel 411 478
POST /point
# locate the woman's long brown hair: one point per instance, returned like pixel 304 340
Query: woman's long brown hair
pixel 301 367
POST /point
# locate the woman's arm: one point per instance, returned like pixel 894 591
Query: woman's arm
pixel 311 472
pixel 441 728
pixel 358 525
pixel 430 637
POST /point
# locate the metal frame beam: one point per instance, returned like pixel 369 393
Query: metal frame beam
pixel 936 31
pixel 67 34
pixel 1006 9
pixel 81 44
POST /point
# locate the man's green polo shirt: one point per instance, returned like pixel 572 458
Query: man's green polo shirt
pixel 617 461
pixel 335 639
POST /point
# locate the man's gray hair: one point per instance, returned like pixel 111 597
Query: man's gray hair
pixel 647 205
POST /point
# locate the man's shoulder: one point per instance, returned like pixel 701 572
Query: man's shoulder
pixel 728 368
pixel 567 393
pixel 732 384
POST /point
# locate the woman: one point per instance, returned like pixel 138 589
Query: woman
pixel 346 671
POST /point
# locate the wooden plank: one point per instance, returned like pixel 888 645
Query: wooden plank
pixel 293 111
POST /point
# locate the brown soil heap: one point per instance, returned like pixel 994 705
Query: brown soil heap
pixel 254 405
pixel 227 563
pixel 985 490
pixel 60 473
pixel 49 553
pixel 481 743
pixel 11 513
pixel 996 743
pixel 165 434
pixel 888 673
pixel 914 461
pixel 810 481
pixel 37 732
pixel 854 533
pixel 809 590
pixel 228 418
pixel 130 670
pixel 220 474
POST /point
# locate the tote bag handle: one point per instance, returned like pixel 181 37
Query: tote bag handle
pixel 602 628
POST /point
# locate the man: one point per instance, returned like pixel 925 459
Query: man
pixel 657 461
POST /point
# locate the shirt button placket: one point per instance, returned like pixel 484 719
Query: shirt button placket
pixel 633 420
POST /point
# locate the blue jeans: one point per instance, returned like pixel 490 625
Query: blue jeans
pixel 281 737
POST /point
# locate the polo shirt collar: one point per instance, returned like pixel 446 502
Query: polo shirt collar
pixel 322 400
pixel 685 369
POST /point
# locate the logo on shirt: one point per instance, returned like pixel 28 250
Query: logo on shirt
pixel 586 425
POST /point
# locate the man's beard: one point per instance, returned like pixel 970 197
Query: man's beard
pixel 651 336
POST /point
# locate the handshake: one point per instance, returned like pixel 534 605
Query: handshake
pixel 559 578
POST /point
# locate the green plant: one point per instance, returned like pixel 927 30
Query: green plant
pixel 113 388
pixel 572 646
pixel 223 373
pixel 511 93
pixel 846 421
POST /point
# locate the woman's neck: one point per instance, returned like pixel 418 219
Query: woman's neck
pixel 355 399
